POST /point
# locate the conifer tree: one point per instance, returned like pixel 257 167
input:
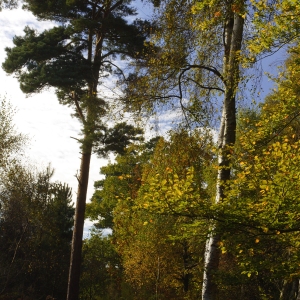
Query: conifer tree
pixel 74 57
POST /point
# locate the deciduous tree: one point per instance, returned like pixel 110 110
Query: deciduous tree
pixel 156 227
pixel 11 142
pixel 199 55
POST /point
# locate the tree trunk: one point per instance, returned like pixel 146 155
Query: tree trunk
pixel 298 292
pixel 76 249
pixel 233 34
pixel 290 290
pixel 87 145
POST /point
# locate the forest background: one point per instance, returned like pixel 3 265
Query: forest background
pixel 177 192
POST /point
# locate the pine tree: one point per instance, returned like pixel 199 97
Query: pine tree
pixel 74 57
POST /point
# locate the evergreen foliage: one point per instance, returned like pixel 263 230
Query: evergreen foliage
pixel 74 58
pixel 36 219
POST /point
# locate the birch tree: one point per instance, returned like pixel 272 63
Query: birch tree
pixel 210 62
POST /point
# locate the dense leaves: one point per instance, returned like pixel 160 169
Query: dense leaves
pixel 102 270
pixel 157 233
pixel 36 229
pixel 36 218
pixel 165 198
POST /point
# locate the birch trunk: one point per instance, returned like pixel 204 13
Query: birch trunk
pixel 290 290
pixel 233 35
pixel 298 292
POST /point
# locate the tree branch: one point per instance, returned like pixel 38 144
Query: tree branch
pixel 79 110
pixel 210 69
pixel 121 71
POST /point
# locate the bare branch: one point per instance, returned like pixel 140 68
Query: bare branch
pixel 121 71
pixel 210 69
pixel 206 87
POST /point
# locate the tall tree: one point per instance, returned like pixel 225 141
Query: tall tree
pixel 73 58
pixel 233 35
pixel 207 56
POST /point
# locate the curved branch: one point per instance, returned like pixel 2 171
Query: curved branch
pixel 210 69
pixel 121 71
pixel 206 87
pixel 180 99
pixel 113 52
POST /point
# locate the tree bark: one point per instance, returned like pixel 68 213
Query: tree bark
pixel 89 127
pixel 76 249
pixel 233 35
pixel 290 290
pixel 298 291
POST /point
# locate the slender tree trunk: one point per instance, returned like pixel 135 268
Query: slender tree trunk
pixel 298 292
pixel 75 263
pixel 290 290
pixel 186 274
pixel 233 34
pixel 89 128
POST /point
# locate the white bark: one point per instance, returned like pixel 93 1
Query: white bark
pixel 232 44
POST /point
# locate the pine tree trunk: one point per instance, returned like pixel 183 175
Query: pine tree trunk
pixel 232 45
pixel 87 145
pixel 76 249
